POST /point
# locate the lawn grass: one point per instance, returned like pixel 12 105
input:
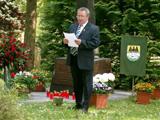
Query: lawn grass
pixel 124 109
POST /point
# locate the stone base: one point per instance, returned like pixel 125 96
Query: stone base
pixel 62 79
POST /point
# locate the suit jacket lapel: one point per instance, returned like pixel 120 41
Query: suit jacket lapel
pixel 75 28
pixel 85 28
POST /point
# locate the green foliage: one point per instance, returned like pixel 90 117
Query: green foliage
pixel 114 18
pixel 9 109
pixel 56 17
pixel 25 78
pixel 126 17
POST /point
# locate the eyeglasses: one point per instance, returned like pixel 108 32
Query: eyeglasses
pixel 79 16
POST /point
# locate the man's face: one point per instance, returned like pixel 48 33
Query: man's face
pixel 82 17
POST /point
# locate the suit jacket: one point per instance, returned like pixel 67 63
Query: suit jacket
pixel 90 39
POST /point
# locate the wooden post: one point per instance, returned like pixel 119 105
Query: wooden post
pixel 133 76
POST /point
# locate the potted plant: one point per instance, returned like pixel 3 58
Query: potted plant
pixel 156 93
pixel 144 91
pixel 101 90
pixel 23 79
pixel 43 77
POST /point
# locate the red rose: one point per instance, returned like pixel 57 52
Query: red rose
pixel 14 40
pixel 13 74
pixel 2 45
pixel 35 77
pixel 3 40
pixel 8 47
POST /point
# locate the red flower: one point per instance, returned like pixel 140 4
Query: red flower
pixel 27 54
pixel 35 77
pixel 13 74
pixel 14 40
pixel 18 53
pixel 8 47
pixel 2 45
pixel 3 40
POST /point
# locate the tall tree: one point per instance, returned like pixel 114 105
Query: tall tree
pixel 30 30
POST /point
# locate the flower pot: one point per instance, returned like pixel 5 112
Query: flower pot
pixel 156 94
pixel 143 98
pixel 58 101
pixel 39 87
pixel 99 101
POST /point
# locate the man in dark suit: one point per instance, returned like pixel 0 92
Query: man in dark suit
pixel 81 59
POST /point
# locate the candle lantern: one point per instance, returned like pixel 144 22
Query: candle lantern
pixel 48 93
pixel 73 96
pixel 51 96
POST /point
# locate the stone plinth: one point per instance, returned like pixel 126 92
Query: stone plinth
pixel 62 79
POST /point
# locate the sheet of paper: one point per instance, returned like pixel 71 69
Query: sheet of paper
pixel 71 37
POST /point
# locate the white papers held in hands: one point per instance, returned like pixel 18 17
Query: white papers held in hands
pixel 71 37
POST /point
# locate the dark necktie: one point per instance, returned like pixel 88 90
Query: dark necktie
pixel 74 50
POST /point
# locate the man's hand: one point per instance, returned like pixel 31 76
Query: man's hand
pixel 65 41
pixel 77 41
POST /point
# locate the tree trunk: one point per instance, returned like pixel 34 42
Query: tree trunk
pixel 30 30
pixel 90 5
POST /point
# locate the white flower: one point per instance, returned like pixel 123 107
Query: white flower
pixel 95 80
pixel 105 78
pixel 111 77
pixel 20 72
pixel 98 76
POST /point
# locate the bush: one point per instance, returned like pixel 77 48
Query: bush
pixel 9 108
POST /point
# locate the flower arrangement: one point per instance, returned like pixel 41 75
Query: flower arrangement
pixel 156 84
pixel 41 74
pixel 23 78
pixel 13 51
pixel 100 85
pixel 144 87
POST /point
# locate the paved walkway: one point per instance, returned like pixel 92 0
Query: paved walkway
pixel 41 96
